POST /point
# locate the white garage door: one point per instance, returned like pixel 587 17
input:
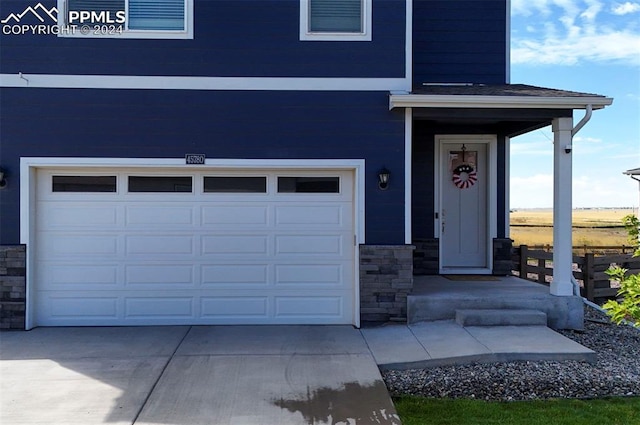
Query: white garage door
pixel 136 247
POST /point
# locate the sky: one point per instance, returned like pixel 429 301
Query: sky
pixel 589 46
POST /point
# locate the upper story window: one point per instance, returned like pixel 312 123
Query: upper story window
pixel 126 18
pixel 335 20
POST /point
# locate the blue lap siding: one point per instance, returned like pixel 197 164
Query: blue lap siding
pixel 460 41
pixel 248 38
pixel 244 124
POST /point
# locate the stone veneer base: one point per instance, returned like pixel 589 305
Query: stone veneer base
pixel 13 272
pixel 386 278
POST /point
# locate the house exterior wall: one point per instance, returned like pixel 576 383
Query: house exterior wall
pixel 248 38
pixel 462 41
pixel 254 40
pixel 170 124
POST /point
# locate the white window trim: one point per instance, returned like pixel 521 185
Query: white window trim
pixel 186 34
pixel 306 35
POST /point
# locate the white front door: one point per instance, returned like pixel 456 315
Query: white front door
pixel 464 224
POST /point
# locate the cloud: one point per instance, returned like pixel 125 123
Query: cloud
pixel 588 191
pixel 620 46
pixel 625 8
pixel 529 148
pixel 531 192
pixel 575 31
pixel 579 139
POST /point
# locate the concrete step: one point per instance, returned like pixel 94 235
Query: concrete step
pixel 500 317
pixel 562 312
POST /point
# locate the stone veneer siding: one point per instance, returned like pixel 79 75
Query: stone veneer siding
pixel 503 257
pixel 426 257
pixel 13 272
pixel 386 278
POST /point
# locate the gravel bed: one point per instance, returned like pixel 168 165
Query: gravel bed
pixel 616 372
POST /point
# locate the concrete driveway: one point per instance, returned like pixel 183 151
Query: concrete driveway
pixel 240 375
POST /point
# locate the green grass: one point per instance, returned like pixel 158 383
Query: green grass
pixel 424 411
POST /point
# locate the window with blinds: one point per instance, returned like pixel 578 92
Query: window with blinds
pixel 335 16
pixel 164 18
pixel 335 20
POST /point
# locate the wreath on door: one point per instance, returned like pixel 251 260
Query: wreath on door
pixel 464 176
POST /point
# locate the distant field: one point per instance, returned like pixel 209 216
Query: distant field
pixel 590 226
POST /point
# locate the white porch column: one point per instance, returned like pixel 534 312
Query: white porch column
pixel 562 246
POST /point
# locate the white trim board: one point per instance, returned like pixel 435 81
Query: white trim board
pixel 408 170
pixel 29 165
pixel 202 83
pixel 409 44
pixel 488 102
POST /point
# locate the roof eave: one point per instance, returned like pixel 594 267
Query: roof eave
pixel 632 172
pixel 495 102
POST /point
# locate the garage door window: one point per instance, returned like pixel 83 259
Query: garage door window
pixel 160 184
pixel 235 184
pixel 83 183
pixel 308 184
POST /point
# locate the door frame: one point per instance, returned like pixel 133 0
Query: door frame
pixel 491 142
pixel 28 211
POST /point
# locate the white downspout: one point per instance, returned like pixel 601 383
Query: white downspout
pixel 583 121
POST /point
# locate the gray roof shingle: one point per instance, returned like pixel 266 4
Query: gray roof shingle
pixel 496 90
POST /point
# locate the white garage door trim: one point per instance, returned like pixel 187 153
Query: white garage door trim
pixel 29 166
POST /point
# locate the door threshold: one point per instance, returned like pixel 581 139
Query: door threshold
pixel 465 271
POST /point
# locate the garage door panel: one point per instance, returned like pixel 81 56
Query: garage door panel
pixel 77 215
pixel 159 244
pixel 320 275
pixel 310 215
pixel 231 307
pixel 63 245
pixel 235 214
pixel 234 244
pixel 160 307
pixel 154 215
pixel 310 244
pixel 235 274
pixel 55 307
pixel 308 307
pixel 159 274
pixel 74 275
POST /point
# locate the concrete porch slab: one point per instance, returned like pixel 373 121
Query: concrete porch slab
pixel 438 298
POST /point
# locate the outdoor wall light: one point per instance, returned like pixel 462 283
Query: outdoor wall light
pixel 3 181
pixel 383 178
